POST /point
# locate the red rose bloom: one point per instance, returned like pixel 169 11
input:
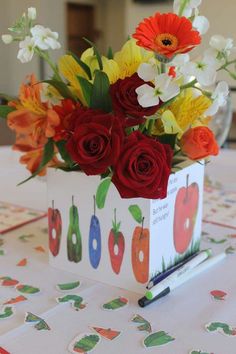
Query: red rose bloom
pixel 143 168
pixel 96 141
pixel 125 102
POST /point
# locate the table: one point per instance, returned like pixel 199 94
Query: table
pixel 183 314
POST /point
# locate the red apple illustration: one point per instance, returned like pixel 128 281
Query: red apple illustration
pixel 116 245
pixel 54 229
pixel 186 207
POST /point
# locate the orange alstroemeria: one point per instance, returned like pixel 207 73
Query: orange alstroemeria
pixel 32 116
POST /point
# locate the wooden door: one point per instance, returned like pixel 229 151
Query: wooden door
pixel 80 23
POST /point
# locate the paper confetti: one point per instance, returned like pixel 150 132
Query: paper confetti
pixel 15 300
pixel 1 242
pixel 25 238
pixel 2 253
pixel 221 327
pixel 198 352
pixel 40 325
pixel 230 250
pixel 157 339
pixel 116 304
pixel 107 333
pixel 22 263
pixel 27 289
pixel 144 324
pixel 40 249
pixel 3 351
pixel 8 281
pixel 218 295
pixel 6 312
pixel 230 236
pixel 216 242
pixel 75 300
pixel 68 286
pixel 84 343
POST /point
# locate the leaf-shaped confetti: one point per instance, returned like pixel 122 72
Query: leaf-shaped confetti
pixel 6 312
pixel 3 351
pixel 42 325
pixel 1 242
pixel 68 286
pixel 22 262
pixel 2 253
pixel 216 242
pixel 40 249
pixel 116 303
pixel 157 339
pixel 8 282
pixel 218 294
pixel 84 343
pixel 107 333
pixel 27 289
pixel 15 300
pixel 25 238
pixel 75 300
pixel 230 250
pixel 145 325
pixel 30 317
pixel 198 352
pixel 221 327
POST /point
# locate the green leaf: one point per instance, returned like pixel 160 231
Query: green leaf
pixel 47 157
pixel 96 53
pixel 157 339
pixel 42 325
pixel 216 242
pixel 145 325
pixel 100 97
pixel 69 286
pixel 169 139
pixel 136 212
pixel 61 145
pixel 5 110
pixel 101 193
pixel 110 53
pixel 87 89
pixel 62 88
pixel 7 312
pixel 86 344
pixel 115 304
pixel 30 317
pixel 27 289
pixel 84 66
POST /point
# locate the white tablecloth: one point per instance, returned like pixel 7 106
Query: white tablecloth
pixel 183 314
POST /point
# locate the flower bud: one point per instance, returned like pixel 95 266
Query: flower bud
pixel 32 14
pixel 7 38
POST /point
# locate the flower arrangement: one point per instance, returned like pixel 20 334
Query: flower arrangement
pixel 129 116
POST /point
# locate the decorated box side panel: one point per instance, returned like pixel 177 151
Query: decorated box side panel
pixel 175 222
pixel 101 244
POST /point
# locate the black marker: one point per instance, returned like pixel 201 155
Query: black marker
pixel 143 302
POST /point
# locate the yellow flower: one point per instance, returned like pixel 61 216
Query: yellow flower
pixel 188 109
pixel 130 57
pixel 110 67
pixel 69 68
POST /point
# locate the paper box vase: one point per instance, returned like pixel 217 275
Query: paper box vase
pixel 128 241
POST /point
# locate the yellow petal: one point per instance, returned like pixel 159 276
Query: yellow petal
pixel 170 124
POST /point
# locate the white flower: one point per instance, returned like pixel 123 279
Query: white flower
pixel 44 38
pixel 219 97
pixel 163 91
pixel 7 38
pixel 203 70
pixel 221 44
pixel 47 95
pixel 180 60
pixel 190 6
pixel 148 71
pixel 201 24
pixel 26 51
pixel 32 14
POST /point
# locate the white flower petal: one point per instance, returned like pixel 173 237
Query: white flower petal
pixel 7 38
pixel 32 13
pixel 172 91
pixel 220 43
pixel 213 109
pixel 201 24
pixel 146 96
pixel 162 81
pixel 147 72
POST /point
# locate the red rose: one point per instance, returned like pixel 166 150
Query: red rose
pixel 198 143
pixel 125 102
pixel 143 168
pixel 96 141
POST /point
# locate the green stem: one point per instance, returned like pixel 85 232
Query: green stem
pixel 224 66
pixel 231 74
pixel 46 57
pixel 188 85
pixel 182 7
pixel 163 68
pixel 150 126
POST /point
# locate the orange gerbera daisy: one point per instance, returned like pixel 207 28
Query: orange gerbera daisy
pixel 167 35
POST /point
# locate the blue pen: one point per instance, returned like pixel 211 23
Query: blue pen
pixel 158 278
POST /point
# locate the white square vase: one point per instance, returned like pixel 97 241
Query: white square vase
pixel 85 243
